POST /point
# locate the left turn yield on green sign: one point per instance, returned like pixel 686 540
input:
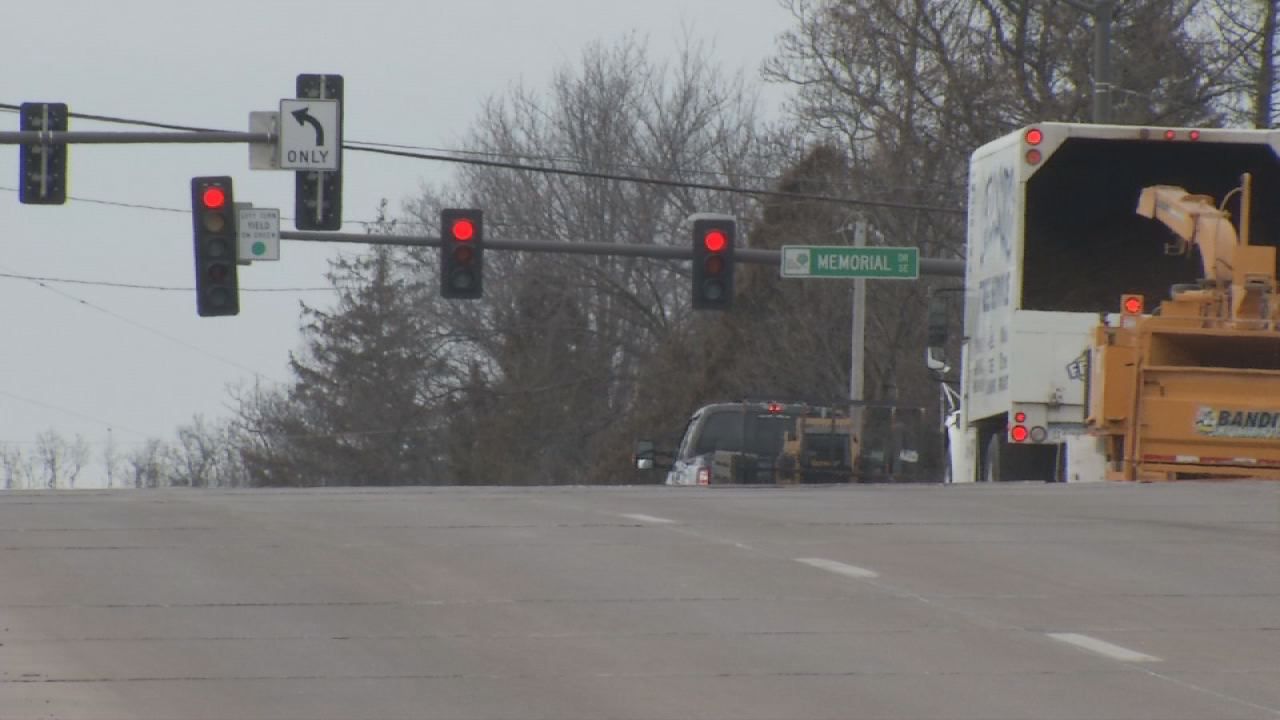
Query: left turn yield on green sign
pixel 259 233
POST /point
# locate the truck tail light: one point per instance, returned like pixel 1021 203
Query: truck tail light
pixel 704 475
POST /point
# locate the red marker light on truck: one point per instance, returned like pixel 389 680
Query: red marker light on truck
pixel 1034 136
pixel 1195 135
pixel 1018 433
pixel 1131 304
pixel 1020 417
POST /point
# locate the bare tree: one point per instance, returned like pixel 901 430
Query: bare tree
pixel 549 361
pixel 60 461
pixel 77 457
pixel 17 466
pixel 1243 33
pixel 194 457
pixel 111 458
pixel 147 464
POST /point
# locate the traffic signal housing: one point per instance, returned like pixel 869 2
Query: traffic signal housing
pixel 713 243
pixel 214 224
pixel 42 167
pixel 461 254
pixel 317 197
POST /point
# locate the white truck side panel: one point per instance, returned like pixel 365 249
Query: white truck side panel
pixel 992 272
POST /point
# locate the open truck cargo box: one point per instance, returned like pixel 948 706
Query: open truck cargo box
pixel 1053 233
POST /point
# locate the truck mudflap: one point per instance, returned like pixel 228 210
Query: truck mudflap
pixel 1207 422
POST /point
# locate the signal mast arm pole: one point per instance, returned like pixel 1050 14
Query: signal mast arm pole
pixel 111 137
pixel 757 256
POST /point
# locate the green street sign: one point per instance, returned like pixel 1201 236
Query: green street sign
pixel 843 261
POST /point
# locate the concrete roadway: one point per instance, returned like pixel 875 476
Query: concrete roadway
pixel 1085 602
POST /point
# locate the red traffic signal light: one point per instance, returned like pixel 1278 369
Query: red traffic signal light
pixel 214 225
pixel 462 229
pixel 213 197
pixel 713 243
pixel 715 240
pixel 461 254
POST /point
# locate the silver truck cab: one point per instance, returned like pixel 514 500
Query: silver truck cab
pixel 733 442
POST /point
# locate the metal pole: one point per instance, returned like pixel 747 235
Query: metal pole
pixel 319 214
pixel 1103 14
pixel 108 137
pixel 858 344
pixel 928 266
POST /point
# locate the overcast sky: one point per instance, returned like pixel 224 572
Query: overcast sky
pixel 83 359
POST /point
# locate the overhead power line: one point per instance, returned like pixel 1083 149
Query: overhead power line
pixel 715 187
pixel 166 288
pixel 140 326
pixel 186 211
pixel 384 149
pixel 66 411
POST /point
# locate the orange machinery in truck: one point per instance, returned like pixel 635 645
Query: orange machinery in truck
pixel 1193 389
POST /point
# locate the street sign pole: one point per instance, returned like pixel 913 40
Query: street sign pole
pixel 858 342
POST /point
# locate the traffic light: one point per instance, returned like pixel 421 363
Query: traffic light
pixel 713 241
pixel 461 254
pixel 42 168
pixel 214 221
pixel 317 198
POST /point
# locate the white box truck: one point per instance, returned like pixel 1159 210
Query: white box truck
pixel 1053 242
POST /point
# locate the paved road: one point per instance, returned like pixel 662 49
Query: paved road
pixel 1024 601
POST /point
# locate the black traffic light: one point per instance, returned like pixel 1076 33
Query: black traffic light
pixel 213 218
pixel 461 254
pixel 317 199
pixel 939 321
pixel 713 241
pixel 42 168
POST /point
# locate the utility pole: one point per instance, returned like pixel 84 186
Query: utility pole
pixel 1103 12
pixel 1267 74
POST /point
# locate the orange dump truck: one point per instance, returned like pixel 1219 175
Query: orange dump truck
pixel 1193 389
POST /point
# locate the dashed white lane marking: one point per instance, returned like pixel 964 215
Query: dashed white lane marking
pixel 648 519
pixel 1093 644
pixel 839 568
